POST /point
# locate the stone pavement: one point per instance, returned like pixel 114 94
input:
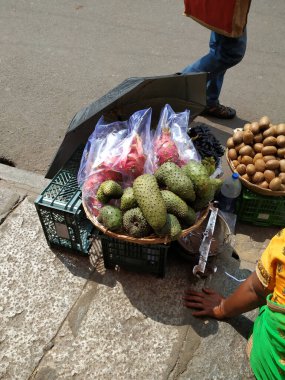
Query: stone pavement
pixel 63 316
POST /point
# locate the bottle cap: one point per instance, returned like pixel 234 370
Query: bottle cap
pixel 235 175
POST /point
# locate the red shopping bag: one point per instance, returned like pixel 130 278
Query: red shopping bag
pixel 226 17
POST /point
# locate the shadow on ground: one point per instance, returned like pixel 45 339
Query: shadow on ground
pixel 234 123
pixel 161 298
pixel 257 233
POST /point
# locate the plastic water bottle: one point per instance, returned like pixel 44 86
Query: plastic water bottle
pixel 230 190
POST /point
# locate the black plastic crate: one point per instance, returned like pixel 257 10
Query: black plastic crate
pixel 61 212
pixel 261 210
pixel 149 258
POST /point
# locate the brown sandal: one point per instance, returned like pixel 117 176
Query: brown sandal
pixel 219 111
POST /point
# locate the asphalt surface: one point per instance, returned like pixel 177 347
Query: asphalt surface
pixel 57 57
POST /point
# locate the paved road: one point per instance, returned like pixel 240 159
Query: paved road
pixel 57 57
pixel 64 316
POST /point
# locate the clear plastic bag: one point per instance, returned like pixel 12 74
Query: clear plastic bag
pixel 132 151
pixel 170 140
pixel 97 162
pixel 99 146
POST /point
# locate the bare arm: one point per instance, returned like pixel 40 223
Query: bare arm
pixel 248 296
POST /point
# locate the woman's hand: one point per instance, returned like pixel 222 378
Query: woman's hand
pixel 208 302
pixel 248 296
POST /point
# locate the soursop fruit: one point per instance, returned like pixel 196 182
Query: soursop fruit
pixel 208 195
pixel 190 218
pixel 174 204
pixel 112 189
pixel 128 199
pixel 171 229
pixel 163 170
pixel 216 183
pixel 195 167
pixel 210 164
pixel 101 196
pixel 200 204
pixel 181 185
pixel 135 223
pixel 150 201
pixel 171 175
pixel 111 217
pixel 198 175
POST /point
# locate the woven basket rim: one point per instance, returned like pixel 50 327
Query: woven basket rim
pixel 152 239
pixel 254 188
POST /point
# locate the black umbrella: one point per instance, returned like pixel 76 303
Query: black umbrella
pixel 179 91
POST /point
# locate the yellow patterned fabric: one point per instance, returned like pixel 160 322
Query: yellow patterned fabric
pixel 270 268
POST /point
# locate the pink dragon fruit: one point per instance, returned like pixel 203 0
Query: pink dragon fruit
pixel 131 164
pixel 165 148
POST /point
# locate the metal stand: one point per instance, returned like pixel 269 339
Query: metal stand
pixel 199 269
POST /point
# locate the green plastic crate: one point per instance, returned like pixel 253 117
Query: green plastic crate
pixel 261 210
pixel 61 212
pixel 149 258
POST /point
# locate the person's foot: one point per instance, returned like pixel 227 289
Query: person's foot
pixel 219 111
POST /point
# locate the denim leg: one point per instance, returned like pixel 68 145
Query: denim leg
pixel 213 88
pixel 225 52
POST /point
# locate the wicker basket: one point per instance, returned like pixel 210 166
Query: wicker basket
pixel 255 188
pixel 152 239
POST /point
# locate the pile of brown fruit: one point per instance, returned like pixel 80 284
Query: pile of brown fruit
pixel 257 153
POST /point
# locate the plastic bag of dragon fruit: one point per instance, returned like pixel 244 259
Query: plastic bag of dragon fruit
pixel 97 162
pixel 133 151
pixel 170 141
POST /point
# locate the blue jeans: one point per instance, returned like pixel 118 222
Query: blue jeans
pixel 224 53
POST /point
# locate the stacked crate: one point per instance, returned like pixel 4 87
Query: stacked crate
pixel 261 210
pixel 65 225
pixel 60 210
pixel 148 258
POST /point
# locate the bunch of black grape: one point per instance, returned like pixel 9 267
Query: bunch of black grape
pixel 205 142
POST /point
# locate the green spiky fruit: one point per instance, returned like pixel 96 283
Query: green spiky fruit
pixel 150 201
pixel 200 204
pixel 198 175
pixel 101 196
pixel 112 189
pixel 111 217
pixel 174 204
pixel 180 185
pixel 171 229
pixel 128 199
pixel 170 175
pixel 210 164
pixel 195 166
pixel 190 217
pixel 216 183
pixel 135 223
pixel 208 195
pixel 163 170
